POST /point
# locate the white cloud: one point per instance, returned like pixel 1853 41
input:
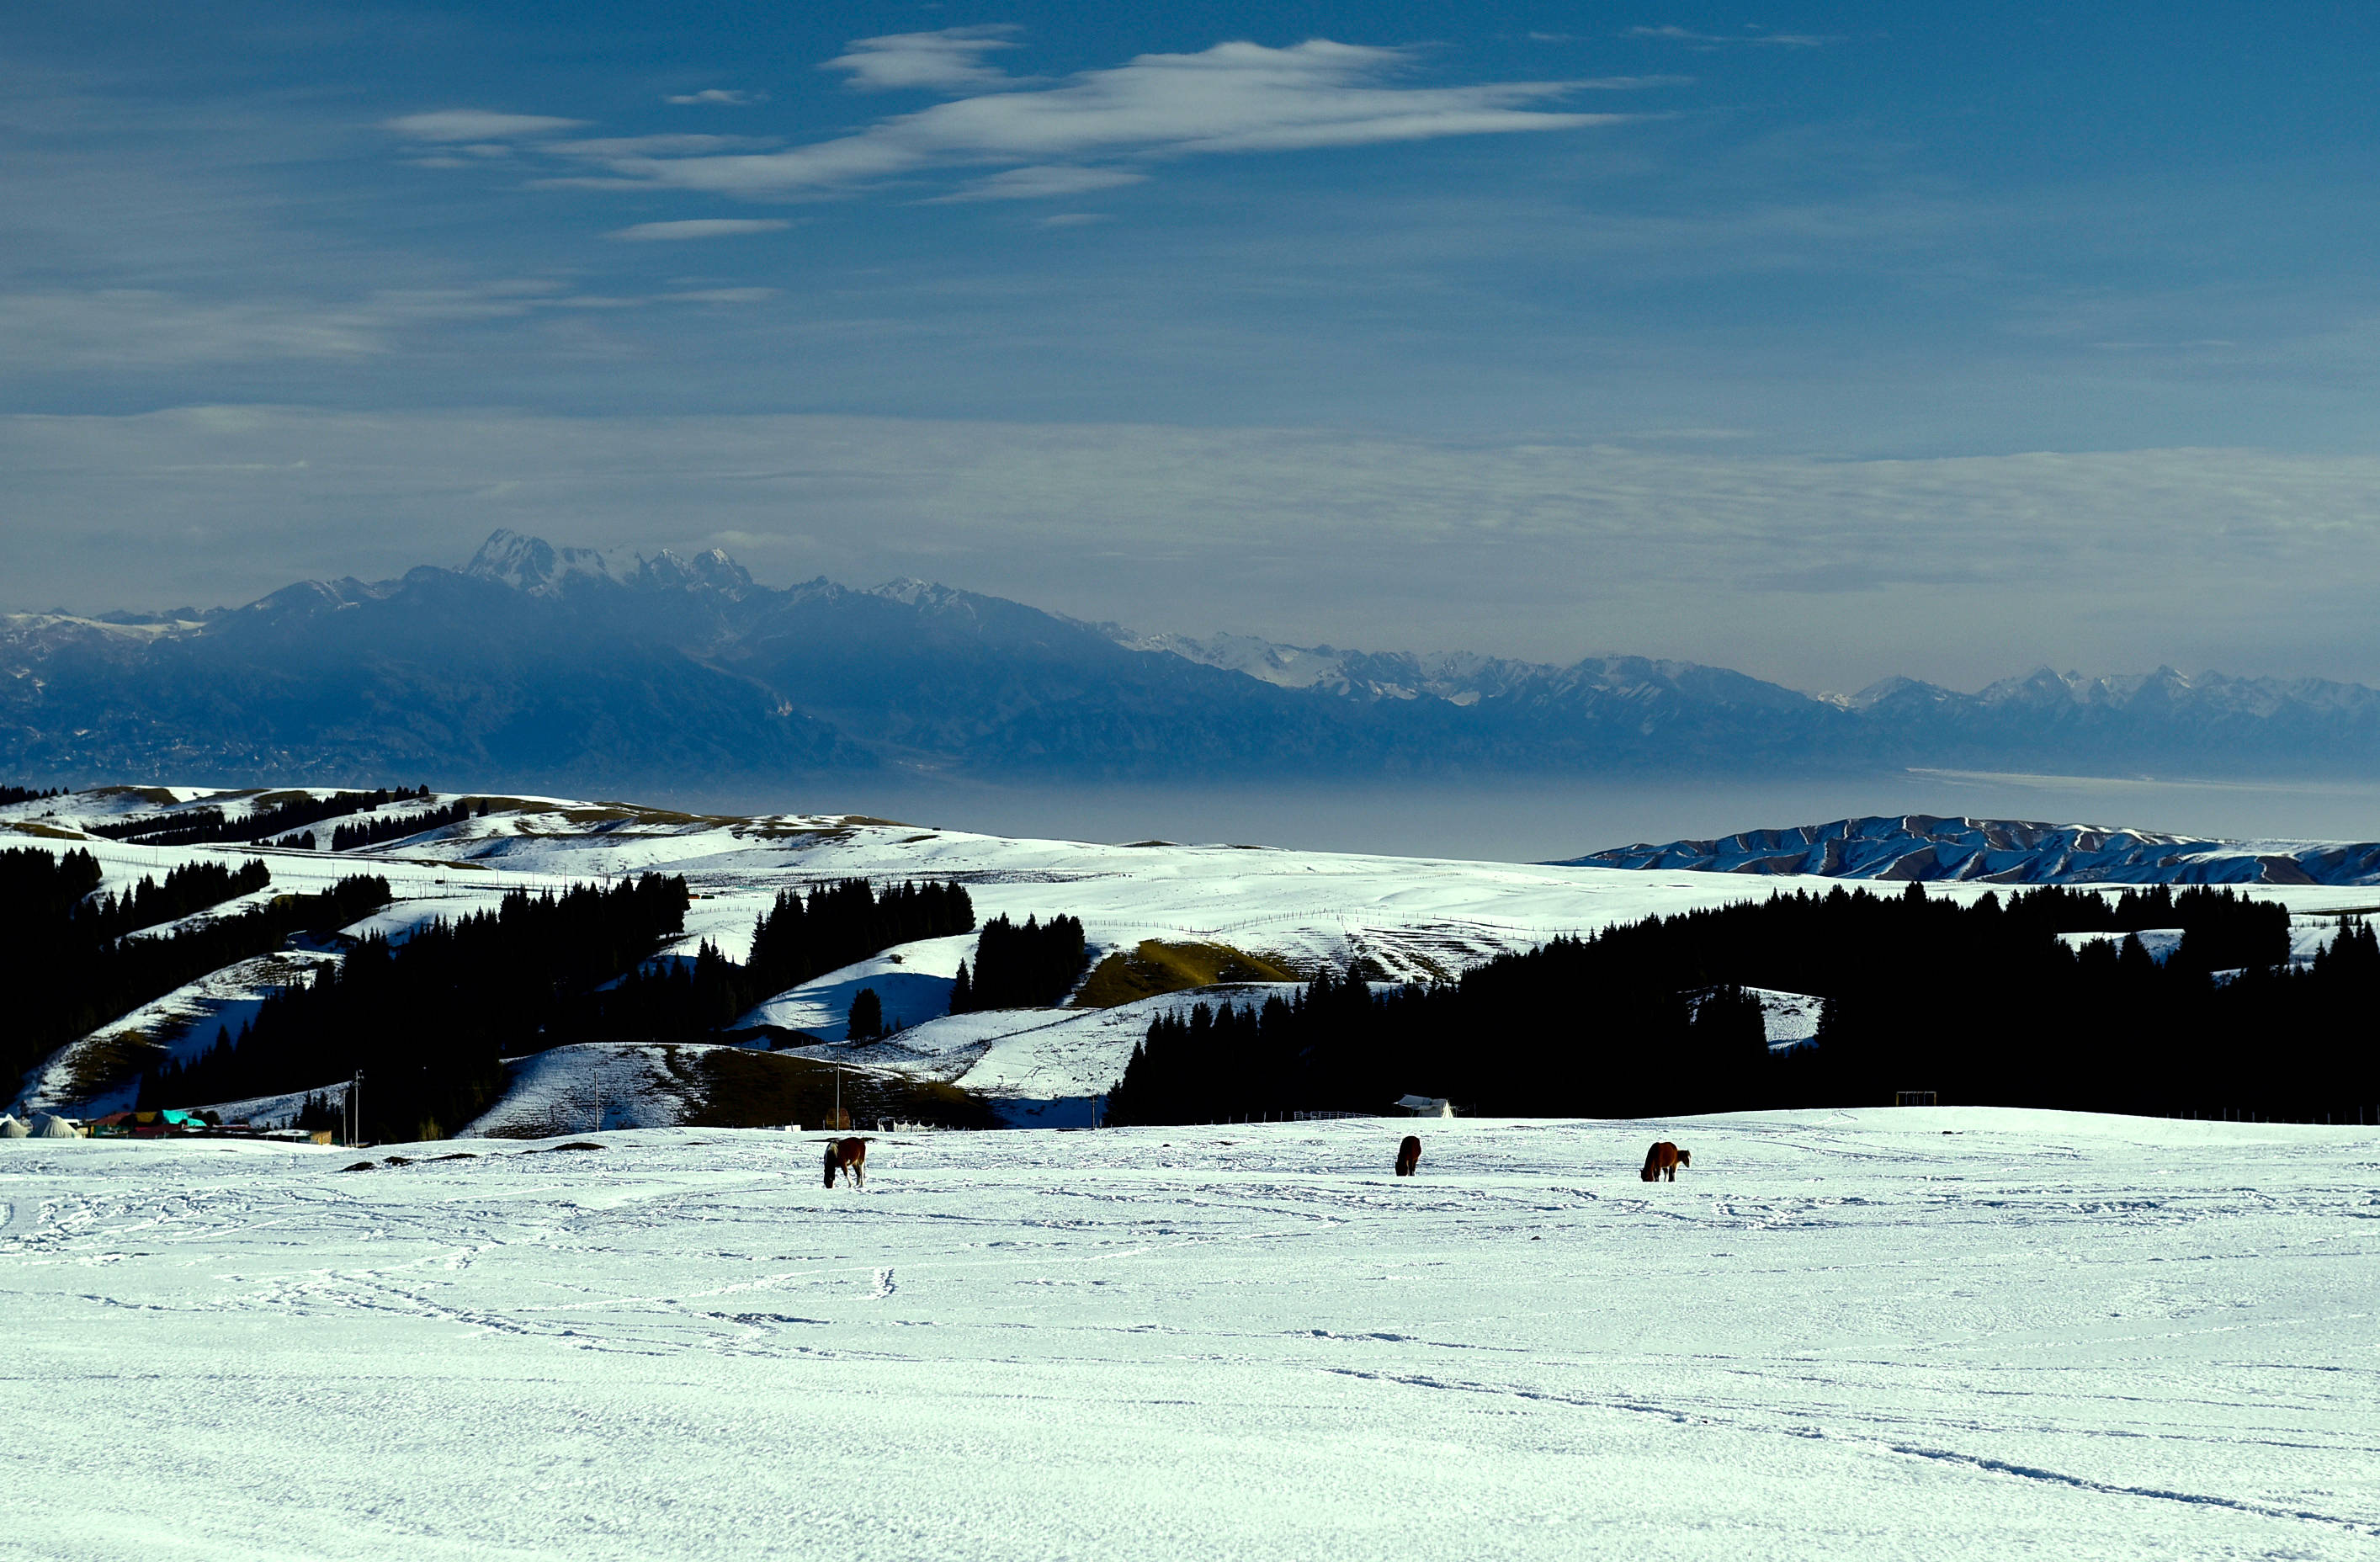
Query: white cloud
pixel 1073 219
pixel 1675 34
pixel 728 95
pixel 655 146
pixel 1034 184
pixel 721 295
pixel 1232 98
pixel 699 227
pixel 475 124
pixel 949 59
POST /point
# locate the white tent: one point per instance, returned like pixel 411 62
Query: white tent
pixel 49 1127
pixel 11 1129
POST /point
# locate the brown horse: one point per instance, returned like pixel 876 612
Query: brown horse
pixel 1408 1156
pixel 848 1155
pixel 1663 1159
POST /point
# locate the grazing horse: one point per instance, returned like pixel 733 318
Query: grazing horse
pixel 1664 1158
pixel 848 1155
pixel 1408 1156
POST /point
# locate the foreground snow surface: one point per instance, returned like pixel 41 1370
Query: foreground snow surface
pixel 1878 1333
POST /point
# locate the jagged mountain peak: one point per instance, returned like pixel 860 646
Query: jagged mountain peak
pixel 712 568
pixel 533 565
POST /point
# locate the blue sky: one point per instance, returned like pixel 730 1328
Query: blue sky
pixel 1826 341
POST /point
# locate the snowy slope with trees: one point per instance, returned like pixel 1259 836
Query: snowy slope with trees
pixel 1287 912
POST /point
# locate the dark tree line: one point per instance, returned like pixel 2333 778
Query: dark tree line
pixel 837 925
pixel 198 827
pixel 428 1020
pixel 27 794
pixel 371 832
pixel 1984 1004
pixel 70 969
pixel 193 887
pixel 1034 966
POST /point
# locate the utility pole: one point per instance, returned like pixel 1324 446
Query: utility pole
pixel 356 1108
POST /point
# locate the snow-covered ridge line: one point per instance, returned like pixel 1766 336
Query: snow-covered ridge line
pixel 1925 847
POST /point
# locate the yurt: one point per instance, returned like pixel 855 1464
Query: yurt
pixel 11 1129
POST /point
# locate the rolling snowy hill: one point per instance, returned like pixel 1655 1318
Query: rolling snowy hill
pixel 1407 918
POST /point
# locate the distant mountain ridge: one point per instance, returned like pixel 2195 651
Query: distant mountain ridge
pixel 1923 847
pixel 570 668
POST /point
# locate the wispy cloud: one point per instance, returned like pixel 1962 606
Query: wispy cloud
pixel 1035 184
pixel 1720 40
pixel 655 146
pixel 732 96
pixel 950 59
pixel 476 125
pixel 699 227
pixel 1232 98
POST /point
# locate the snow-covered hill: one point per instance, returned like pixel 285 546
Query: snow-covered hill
pixel 1926 848
pixel 1881 1335
pixel 1412 918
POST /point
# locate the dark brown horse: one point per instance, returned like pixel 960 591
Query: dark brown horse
pixel 848 1155
pixel 1663 1159
pixel 1408 1156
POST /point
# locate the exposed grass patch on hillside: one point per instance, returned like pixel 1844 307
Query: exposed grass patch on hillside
pixel 161 796
pixel 104 1061
pixel 50 831
pixel 729 1087
pixel 1156 967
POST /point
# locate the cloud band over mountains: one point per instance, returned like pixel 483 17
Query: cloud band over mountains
pixel 1952 569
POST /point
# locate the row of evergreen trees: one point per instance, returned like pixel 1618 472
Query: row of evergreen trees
pixel 371 832
pixel 429 1020
pixel 1984 1004
pixel 197 827
pixel 73 971
pixel 190 888
pixel 1034 966
pixel 28 793
pixel 836 924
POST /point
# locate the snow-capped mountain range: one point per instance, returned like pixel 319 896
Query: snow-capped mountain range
pixel 538 665
pixel 1922 846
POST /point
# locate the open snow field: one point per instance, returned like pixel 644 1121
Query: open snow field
pixel 1879 1334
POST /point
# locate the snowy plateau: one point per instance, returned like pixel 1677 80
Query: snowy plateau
pixel 591 1328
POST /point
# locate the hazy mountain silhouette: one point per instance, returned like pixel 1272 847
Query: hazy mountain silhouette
pixel 539 666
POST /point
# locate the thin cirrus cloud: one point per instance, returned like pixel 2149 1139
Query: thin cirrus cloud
pixel 1676 34
pixel 1232 98
pixel 949 60
pixel 729 96
pixel 476 125
pixel 1040 184
pixel 699 227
